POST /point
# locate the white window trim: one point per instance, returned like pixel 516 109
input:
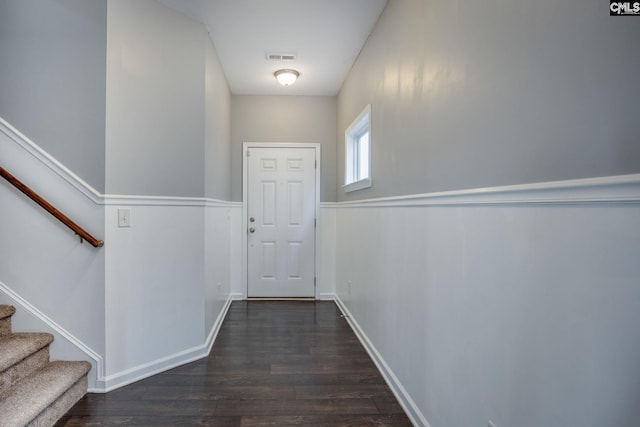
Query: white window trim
pixel 357 185
pixel 363 121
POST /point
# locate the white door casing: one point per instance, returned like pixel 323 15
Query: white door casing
pixel 281 206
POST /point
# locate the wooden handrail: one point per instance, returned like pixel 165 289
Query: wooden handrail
pixel 84 235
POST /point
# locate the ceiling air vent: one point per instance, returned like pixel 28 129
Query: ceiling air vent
pixel 281 57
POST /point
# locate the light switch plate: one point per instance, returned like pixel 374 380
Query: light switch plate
pixel 124 218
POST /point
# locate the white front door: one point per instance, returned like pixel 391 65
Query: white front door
pixel 281 216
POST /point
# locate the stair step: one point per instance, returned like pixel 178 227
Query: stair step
pixel 20 355
pixel 45 395
pixel 17 347
pixel 6 311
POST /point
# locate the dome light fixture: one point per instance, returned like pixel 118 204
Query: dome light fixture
pixel 286 77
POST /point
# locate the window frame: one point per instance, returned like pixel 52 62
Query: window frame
pixel 358 128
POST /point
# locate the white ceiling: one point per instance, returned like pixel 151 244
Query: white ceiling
pixel 326 36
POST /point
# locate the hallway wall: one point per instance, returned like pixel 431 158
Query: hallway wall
pixel 168 139
pixel 481 94
pixel 154 295
pixel 284 119
pixel 516 306
pixel 484 301
pixel 217 149
pixel 155 114
pixel 52 79
pixel 42 262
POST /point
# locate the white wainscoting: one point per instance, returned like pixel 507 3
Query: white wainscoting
pixel 152 298
pixel 518 305
pixel 238 292
pixel 326 285
pixel 51 278
pixel 154 285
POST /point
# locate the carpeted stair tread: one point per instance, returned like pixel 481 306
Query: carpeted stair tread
pixel 6 311
pixel 33 395
pixel 16 347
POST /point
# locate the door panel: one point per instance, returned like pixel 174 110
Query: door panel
pixel 268 204
pixel 295 202
pixel 281 238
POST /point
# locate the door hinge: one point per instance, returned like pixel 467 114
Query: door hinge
pixel 316 164
pixel 314 281
pixel 315 222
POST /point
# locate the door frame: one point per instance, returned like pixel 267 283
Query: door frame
pixel 246 146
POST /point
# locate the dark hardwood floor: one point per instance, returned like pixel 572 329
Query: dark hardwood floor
pixel 274 363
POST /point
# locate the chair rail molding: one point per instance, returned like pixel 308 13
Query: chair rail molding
pixel 91 193
pixel 48 160
pixel 608 189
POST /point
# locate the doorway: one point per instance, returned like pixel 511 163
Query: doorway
pixel 281 205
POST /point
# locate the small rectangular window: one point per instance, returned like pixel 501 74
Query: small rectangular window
pixel 358 152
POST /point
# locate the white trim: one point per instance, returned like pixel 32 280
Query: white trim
pixel 358 185
pixel 163 364
pixel 132 200
pixel 215 328
pixel 149 369
pixel 114 199
pixel 104 384
pixel 409 406
pixel 91 193
pixel 610 189
pixel 236 296
pixel 26 306
pixel 621 188
pixel 328 205
pixel 245 147
pixel 363 121
pixel 327 296
pixel 49 161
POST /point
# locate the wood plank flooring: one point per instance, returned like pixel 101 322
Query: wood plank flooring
pixel 274 363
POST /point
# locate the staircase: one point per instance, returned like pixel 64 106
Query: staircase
pixel 33 390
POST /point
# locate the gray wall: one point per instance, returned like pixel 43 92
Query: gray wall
pixel 494 93
pixel 284 119
pixel 523 314
pixel 52 79
pixel 155 101
pixel 218 128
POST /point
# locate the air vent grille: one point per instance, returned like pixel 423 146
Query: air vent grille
pixel 281 56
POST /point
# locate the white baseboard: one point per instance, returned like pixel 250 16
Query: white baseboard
pixel 215 329
pixel 58 331
pixel 409 406
pixel 157 366
pixel 149 369
pixel 320 297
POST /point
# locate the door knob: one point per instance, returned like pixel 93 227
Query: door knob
pixel 252 230
pixel 252 219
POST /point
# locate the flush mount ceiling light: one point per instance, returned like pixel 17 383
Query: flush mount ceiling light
pixel 286 77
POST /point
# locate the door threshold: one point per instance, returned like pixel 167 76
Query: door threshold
pixel 280 299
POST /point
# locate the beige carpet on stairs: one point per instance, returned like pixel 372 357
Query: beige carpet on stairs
pixel 33 390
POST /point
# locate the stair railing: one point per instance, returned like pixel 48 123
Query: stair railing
pixel 81 232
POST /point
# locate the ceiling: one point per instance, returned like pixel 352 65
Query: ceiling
pixel 325 35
